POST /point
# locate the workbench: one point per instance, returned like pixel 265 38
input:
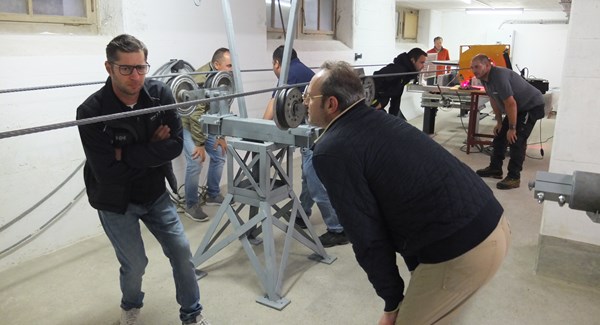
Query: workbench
pixel 466 100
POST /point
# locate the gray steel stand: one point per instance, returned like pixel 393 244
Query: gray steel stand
pixel 261 183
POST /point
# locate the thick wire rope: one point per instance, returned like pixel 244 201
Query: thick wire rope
pixel 108 117
pixel 92 120
pixel 44 199
pixel 88 83
pixel 97 119
pixel 42 228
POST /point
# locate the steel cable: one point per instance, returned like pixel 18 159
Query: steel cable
pixel 43 128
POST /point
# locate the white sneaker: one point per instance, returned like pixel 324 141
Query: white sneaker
pixel 130 317
pixel 200 320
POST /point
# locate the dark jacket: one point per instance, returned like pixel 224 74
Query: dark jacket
pixel 396 190
pixel 139 177
pixel 393 86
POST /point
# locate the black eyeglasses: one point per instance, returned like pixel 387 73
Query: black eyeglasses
pixel 126 70
pixel 306 96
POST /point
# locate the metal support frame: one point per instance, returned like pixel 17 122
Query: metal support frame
pixel 261 182
pixel 289 42
pixel 237 75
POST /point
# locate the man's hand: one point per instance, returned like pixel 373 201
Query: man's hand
pixel 497 128
pixel 221 142
pixel 199 152
pixel 389 317
pixel 162 133
pixel 511 136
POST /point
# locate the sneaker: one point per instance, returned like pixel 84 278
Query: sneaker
pixel 214 200
pixel 490 172
pixel 330 239
pixel 195 213
pixel 200 320
pixel 130 317
pixel 508 183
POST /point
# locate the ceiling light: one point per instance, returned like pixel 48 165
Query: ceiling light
pixel 494 11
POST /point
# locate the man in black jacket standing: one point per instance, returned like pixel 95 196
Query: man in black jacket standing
pixel 389 89
pixel 127 162
pixel 398 191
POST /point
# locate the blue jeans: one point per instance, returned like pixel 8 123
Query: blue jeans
pixel 194 167
pixel 306 201
pixel 161 218
pixel 318 193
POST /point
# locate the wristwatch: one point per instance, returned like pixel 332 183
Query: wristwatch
pixel 512 126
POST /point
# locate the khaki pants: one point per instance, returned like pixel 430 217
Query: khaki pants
pixel 437 292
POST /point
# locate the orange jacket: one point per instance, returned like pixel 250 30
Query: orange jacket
pixel 442 56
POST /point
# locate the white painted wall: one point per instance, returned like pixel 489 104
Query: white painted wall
pixel 576 141
pixel 34 165
pixel 539 47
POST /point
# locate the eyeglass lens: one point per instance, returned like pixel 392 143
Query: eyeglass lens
pixel 128 69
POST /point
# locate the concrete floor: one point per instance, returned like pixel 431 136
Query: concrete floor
pixel 79 284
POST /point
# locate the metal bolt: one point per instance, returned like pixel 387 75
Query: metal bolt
pixel 540 197
pixel 561 200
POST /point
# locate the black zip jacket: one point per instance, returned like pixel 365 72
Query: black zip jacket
pixel 393 86
pixel 139 177
pixel 395 190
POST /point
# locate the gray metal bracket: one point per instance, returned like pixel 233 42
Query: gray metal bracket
pixel 261 183
pixel 581 191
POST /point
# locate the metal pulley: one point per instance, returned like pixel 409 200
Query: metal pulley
pixel 180 83
pixel 223 81
pixel 369 87
pixel 289 108
pixel 179 86
pixel 174 66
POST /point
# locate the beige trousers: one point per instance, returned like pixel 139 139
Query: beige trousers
pixel 437 292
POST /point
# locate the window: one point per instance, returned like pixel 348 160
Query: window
pixel 316 17
pixel 66 12
pixel 406 23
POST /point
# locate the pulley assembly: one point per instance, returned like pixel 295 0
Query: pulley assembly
pixel 289 108
pixel 185 88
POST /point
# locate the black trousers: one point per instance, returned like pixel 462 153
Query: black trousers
pixel 525 123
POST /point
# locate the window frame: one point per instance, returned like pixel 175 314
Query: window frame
pixel 30 17
pixel 301 30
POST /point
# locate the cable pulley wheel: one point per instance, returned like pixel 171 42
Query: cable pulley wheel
pixel 289 108
pixel 174 66
pixel 179 85
pixel 369 87
pixel 221 80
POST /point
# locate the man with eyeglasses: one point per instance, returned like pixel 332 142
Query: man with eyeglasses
pixel 196 145
pixel 313 190
pixel 404 195
pixel 127 162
